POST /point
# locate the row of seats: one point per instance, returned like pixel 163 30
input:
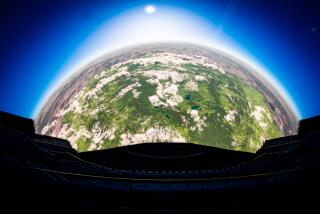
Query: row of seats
pixel 52 141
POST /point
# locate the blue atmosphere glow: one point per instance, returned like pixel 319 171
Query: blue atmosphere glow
pixel 44 42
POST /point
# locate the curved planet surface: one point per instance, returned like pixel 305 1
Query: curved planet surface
pixel 170 92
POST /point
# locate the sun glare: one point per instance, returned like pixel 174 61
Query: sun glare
pixel 150 9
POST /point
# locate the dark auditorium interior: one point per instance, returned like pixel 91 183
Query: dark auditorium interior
pixel 46 173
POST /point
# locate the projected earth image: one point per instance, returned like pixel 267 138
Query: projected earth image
pixel 173 92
